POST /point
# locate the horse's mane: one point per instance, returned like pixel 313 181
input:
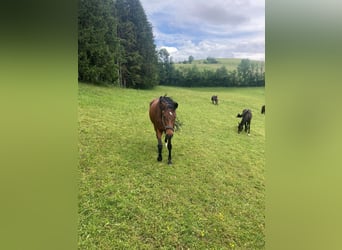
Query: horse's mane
pixel 168 101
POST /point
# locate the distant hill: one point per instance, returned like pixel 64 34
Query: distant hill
pixel 229 63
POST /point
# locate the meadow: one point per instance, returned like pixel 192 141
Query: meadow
pixel 211 197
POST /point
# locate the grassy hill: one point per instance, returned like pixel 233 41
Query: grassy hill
pixel 212 197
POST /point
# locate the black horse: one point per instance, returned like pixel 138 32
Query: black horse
pixel 214 99
pixel 263 109
pixel 245 121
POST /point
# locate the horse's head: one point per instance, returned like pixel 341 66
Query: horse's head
pixel 168 108
pixel 169 118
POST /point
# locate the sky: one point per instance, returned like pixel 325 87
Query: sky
pixel 208 28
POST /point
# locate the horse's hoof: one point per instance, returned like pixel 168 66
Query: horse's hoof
pixel 169 163
pixel 159 159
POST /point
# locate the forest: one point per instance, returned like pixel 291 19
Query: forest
pixel 116 47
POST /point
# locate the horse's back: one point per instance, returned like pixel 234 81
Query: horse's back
pixel 153 108
pixel 248 115
pixel 155 114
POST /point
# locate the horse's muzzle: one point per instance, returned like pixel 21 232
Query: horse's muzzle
pixel 168 137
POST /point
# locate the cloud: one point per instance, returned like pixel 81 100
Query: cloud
pixel 170 49
pixel 201 28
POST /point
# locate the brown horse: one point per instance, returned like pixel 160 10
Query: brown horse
pixel 163 115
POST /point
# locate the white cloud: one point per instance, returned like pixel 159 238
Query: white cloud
pixel 169 49
pixel 201 28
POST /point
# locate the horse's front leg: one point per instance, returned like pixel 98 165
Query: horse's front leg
pixel 160 147
pixel 169 147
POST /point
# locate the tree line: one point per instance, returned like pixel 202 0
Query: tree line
pixel 248 73
pixel 116 47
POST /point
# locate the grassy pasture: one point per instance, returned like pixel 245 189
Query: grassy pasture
pixel 212 197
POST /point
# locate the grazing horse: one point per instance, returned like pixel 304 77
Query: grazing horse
pixel 163 115
pixel 263 109
pixel 214 99
pixel 245 121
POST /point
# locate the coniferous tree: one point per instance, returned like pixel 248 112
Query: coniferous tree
pixel 96 41
pixel 115 44
pixel 138 62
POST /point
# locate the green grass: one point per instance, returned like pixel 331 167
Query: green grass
pixel 212 197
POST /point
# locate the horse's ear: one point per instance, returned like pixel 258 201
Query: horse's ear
pixel 176 105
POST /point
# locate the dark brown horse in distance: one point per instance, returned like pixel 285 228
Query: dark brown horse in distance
pixel 263 109
pixel 214 99
pixel 245 121
pixel 163 116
